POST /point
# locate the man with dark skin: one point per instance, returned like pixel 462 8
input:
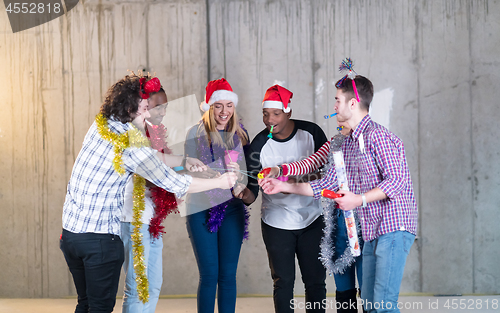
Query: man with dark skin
pixel 292 225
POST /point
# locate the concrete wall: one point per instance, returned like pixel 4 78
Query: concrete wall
pixel 435 66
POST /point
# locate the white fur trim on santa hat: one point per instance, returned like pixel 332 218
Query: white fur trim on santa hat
pixel 204 106
pixel 270 104
pixel 223 95
pixel 217 96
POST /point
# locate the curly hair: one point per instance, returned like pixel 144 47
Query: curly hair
pixel 122 99
pixel 364 87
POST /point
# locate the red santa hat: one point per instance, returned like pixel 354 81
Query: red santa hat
pixel 277 97
pixel 216 90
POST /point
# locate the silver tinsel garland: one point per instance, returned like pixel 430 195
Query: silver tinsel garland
pixel 327 245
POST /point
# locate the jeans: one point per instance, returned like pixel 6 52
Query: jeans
pixel 153 261
pixel 282 246
pixel 94 261
pixel 217 257
pixel 347 280
pixel 384 259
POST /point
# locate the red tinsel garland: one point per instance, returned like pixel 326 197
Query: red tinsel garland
pixel 165 202
pixel 157 135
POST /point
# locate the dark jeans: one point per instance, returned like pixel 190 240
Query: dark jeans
pixel 95 262
pixel 217 256
pixel 282 246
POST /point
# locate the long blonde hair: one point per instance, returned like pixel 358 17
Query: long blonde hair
pixel 212 134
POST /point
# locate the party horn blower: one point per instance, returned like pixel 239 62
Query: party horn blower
pixel 330 194
pixel 264 173
pixel 331 115
pixel 271 132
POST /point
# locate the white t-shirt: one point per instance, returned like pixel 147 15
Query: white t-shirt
pixel 289 211
pixel 127 211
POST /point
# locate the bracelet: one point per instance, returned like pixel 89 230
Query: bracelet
pixel 281 171
pixel 183 163
pixel 364 200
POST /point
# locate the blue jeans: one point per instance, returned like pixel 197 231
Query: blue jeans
pixel 384 260
pixel 217 256
pixel 153 261
pixel 94 261
pixel 347 280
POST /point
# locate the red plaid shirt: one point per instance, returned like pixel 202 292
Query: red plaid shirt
pixel 382 164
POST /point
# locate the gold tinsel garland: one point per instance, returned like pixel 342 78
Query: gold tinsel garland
pixel 141 278
pixel 132 138
pixel 120 142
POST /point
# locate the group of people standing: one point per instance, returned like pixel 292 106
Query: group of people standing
pixel 122 186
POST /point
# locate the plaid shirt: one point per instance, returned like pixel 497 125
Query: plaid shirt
pixel 95 193
pixel 382 164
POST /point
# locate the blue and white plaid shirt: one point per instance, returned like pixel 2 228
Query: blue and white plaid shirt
pixel 95 194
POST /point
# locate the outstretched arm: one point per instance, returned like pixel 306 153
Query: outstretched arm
pixel 192 164
pixel 274 186
pixel 351 200
pixel 302 167
pixel 225 181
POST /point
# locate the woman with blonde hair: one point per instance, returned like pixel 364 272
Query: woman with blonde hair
pixel 217 220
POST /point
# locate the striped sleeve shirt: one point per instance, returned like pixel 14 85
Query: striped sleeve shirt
pixel 375 157
pixel 95 192
pixel 310 164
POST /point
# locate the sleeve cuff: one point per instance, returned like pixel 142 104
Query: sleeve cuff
pixel 386 188
pixel 316 187
pixel 187 180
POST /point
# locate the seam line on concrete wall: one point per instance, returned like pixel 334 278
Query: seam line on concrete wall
pixel 313 61
pixel 146 13
pixel 471 121
pixel 417 63
pixel 207 14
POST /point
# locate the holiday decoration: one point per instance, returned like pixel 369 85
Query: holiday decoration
pixel 147 87
pixel 270 135
pixel 331 115
pixel 346 65
pixel 333 260
pixel 277 97
pixel 141 278
pixel 213 155
pixel 165 202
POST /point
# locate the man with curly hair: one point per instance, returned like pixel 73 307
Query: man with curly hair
pixel 90 239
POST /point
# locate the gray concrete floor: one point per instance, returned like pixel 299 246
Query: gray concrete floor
pixel 409 304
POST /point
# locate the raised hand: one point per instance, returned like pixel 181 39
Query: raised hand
pixel 227 180
pixel 348 200
pixel 209 173
pixel 195 165
pixel 235 167
pixel 272 186
pixel 238 190
pixel 269 172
